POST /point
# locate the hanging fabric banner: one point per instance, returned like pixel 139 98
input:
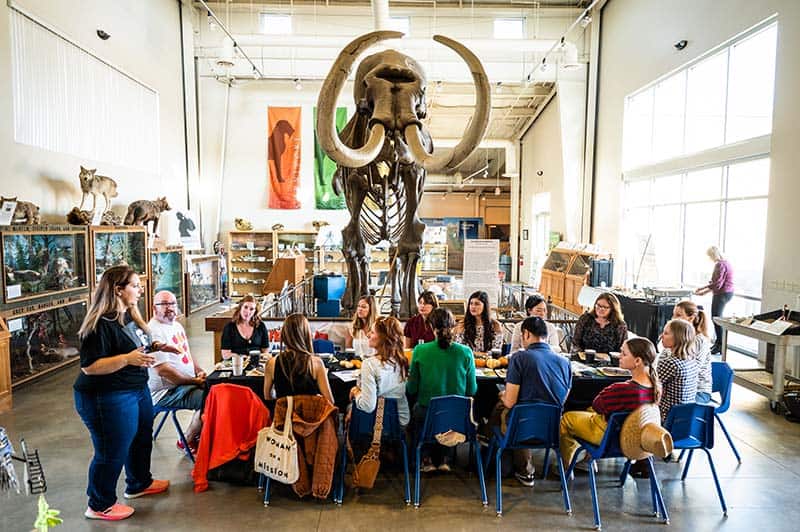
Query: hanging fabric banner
pixel 283 156
pixel 324 168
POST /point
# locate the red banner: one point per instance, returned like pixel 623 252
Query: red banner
pixel 283 155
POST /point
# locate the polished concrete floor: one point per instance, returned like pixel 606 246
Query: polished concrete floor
pixel 762 491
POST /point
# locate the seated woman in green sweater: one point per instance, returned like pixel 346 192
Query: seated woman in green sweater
pixel 440 367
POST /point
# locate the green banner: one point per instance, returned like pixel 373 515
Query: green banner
pixel 324 169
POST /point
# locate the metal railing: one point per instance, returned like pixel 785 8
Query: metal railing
pixel 297 298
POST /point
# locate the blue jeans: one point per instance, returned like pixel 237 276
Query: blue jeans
pixel 702 398
pixel 121 427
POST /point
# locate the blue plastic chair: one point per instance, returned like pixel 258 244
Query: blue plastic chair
pixel 692 427
pixel 722 382
pixel 609 447
pixel 323 346
pixel 361 427
pixel 449 412
pixel 529 426
pixel 173 412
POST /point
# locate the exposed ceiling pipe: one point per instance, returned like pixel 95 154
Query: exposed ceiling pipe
pixel 380 14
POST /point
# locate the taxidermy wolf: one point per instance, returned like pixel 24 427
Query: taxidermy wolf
pixel 96 184
pixel 142 211
pixel 383 155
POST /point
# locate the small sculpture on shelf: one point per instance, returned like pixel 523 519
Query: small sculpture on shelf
pixel 25 213
pixel 79 217
pixel 242 224
pixel 142 211
pixel 96 184
pixel 277 227
pixel 319 223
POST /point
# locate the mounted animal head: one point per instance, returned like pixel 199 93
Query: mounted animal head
pixel 86 175
pixel 389 90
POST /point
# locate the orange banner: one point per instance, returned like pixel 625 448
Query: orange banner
pixel 283 155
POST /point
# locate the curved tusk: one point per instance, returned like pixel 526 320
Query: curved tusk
pixel 329 94
pixel 478 124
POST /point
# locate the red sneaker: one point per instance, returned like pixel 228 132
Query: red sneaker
pixel 157 486
pixel 118 512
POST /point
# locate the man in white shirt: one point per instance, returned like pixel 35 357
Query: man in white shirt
pixel 176 380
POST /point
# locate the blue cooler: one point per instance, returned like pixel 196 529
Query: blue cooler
pixel 329 287
pixel 329 309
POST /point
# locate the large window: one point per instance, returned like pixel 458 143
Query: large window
pixel 718 100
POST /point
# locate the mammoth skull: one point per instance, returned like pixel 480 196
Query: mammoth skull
pixel 390 89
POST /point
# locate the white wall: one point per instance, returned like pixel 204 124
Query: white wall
pixel 542 152
pixel 636 48
pixel 145 42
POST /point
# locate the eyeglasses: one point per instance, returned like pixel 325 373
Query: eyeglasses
pixel 173 304
pixel 602 307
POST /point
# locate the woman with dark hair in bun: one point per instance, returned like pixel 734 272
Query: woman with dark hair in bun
pixel 439 368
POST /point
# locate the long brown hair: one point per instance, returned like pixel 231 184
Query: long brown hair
pixel 696 316
pixel 643 349
pixel 470 323
pixel 442 322
pixel 237 314
pixel 298 347
pixel 390 343
pixel 105 300
pixel 615 317
pixel 683 336
pixel 364 324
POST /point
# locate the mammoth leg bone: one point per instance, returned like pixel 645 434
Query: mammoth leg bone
pixel 410 243
pixel 353 244
pixel 394 274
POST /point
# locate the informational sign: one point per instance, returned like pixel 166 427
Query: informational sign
pixel 7 212
pixel 481 259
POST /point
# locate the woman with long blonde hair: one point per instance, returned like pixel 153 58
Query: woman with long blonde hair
pixel 689 311
pixel 721 288
pixel 677 366
pixel 386 373
pixel 363 320
pixel 296 370
pixel 111 394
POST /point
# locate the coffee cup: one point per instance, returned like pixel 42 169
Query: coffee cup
pixel 255 358
pixel 236 365
pixel 496 353
pixel 614 355
pixel 590 354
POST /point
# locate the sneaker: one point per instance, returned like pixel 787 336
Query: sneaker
pixel 192 446
pixel 427 466
pixel 525 480
pixel 117 512
pixel 157 486
pixel 444 467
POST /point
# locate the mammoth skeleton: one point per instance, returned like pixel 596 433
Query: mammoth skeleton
pixel 383 155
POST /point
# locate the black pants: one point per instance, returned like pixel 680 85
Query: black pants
pixel 718 303
pixel 437 453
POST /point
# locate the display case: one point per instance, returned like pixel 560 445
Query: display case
pixel 434 259
pixel 250 258
pixel 202 281
pixel 44 337
pixel 166 273
pixel 553 275
pixel 300 241
pixel 378 264
pixel 112 246
pixel 565 271
pixel 42 260
pixel 331 260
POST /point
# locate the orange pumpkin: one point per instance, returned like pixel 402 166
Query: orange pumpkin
pixel 503 362
pixel 480 362
pixel 356 363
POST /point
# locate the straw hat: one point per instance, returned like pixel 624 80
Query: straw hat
pixel 643 435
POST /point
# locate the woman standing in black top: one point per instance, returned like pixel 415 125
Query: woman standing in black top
pixel 111 394
pixel 296 370
pixel 245 331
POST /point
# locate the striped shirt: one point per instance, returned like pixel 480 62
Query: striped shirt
pixel 679 380
pixel 622 396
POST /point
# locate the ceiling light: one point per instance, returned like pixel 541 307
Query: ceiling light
pixel 585 21
pixel 298 85
pixel 256 73
pixel 211 24
pixel 497 191
pixel 226 53
pixel 544 64
pixel 499 88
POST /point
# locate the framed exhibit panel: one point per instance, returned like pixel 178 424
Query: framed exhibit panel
pixel 202 281
pixel 111 246
pixel 44 339
pixel 41 260
pixel 166 273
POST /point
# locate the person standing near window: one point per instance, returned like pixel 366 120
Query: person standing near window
pixel 721 286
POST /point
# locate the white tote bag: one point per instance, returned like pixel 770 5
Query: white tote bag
pixel 276 452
